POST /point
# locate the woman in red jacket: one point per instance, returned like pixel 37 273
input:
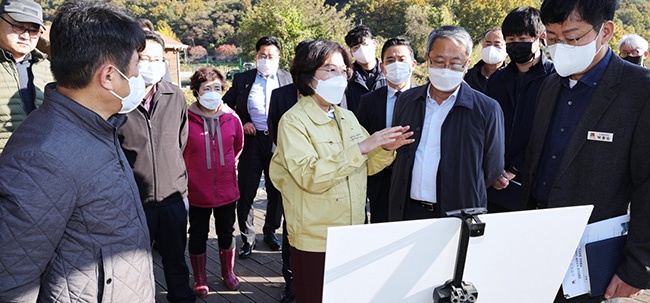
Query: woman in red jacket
pixel 214 143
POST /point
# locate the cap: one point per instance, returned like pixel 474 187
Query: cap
pixel 23 11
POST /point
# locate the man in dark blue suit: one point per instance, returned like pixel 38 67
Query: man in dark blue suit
pixel 250 96
pixel 458 133
pixel 282 99
pixel 591 135
pixel 375 113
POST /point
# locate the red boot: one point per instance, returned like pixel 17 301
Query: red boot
pixel 227 257
pixel 200 280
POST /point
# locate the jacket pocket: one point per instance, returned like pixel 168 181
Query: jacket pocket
pixel 323 211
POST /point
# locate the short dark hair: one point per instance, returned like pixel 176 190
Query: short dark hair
pixel 206 74
pixel 523 21
pixel 594 12
pixel 155 37
pixel 268 40
pixel 395 42
pixel 85 35
pixel 309 58
pixel 146 23
pixel 356 35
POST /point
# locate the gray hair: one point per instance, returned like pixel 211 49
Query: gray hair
pixel 634 41
pixel 456 34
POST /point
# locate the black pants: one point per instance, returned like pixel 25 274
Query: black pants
pixel 224 222
pixel 286 253
pixel 378 193
pixel 413 210
pixel 167 226
pixel 254 160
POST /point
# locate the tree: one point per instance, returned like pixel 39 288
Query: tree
pixel 226 50
pixel 291 21
pixel 197 52
pixel 420 20
pixel 226 17
pixel 385 18
pixel 478 16
pixel 164 28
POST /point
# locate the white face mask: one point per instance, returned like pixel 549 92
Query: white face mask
pixel 365 53
pixel 444 79
pixel 137 91
pixel 332 89
pixel 152 72
pixel 268 66
pixel 398 72
pixel 493 54
pixel 570 60
pixel 210 100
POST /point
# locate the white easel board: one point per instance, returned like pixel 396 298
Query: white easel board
pixel 522 257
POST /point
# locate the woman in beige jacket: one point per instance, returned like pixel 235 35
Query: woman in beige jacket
pixel 322 161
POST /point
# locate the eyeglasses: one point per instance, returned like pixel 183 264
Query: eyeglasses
pixel 150 59
pixel 633 53
pixel 337 70
pixel 571 41
pixel 453 66
pixel 19 29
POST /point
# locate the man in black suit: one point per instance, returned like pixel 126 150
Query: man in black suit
pixel 591 134
pixel 367 75
pixel 375 113
pixel 250 96
pixel 282 99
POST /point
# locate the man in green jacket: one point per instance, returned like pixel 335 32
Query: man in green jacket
pixel 25 70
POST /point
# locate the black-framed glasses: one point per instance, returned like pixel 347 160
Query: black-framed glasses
pixel 571 41
pixel 19 29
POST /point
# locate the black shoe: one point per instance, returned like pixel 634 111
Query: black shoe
pixel 273 242
pixel 246 250
pixel 287 296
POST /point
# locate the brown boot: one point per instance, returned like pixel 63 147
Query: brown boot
pixel 200 280
pixel 227 257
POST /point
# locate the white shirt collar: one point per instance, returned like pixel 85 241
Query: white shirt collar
pixel 451 98
pixel 392 91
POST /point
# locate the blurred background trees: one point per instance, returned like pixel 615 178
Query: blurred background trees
pixel 212 24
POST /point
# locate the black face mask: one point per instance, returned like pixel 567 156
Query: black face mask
pixel 638 60
pixel 520 52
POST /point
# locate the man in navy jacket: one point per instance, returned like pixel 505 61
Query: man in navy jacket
pixel 458 132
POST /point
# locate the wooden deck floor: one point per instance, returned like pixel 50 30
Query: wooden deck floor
pixel 260 275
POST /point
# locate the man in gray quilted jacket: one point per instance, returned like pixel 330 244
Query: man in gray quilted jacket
pixel 72 228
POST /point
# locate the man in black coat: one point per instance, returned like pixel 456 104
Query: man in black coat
pixel 458 132
pixel 250 96
pixel 375 113
pixel 591 134
pixel 366 74
pixel 515 87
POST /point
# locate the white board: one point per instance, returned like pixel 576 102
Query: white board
pixel 522 257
